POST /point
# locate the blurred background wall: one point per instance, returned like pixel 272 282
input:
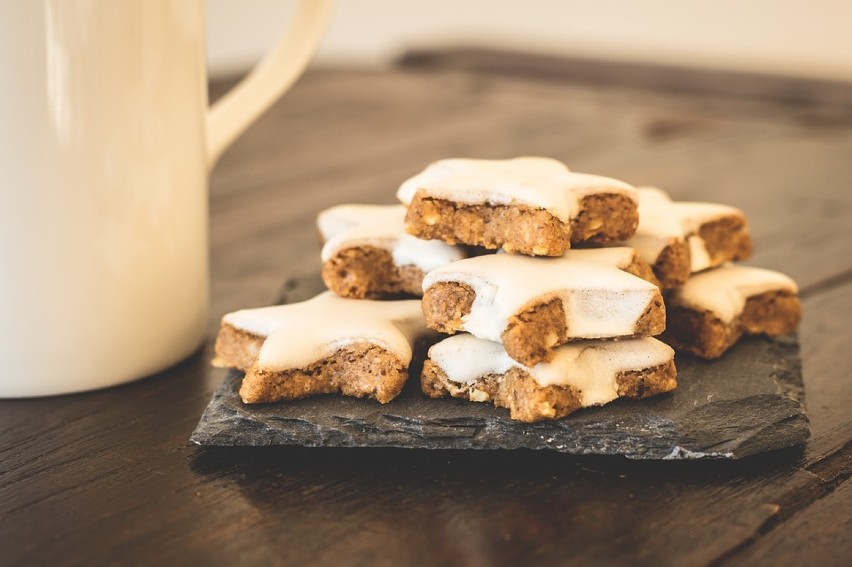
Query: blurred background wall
pixel 791 37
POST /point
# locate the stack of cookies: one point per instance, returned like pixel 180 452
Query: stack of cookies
pixel 561 317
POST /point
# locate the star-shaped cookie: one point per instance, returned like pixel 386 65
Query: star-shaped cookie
pixel 529 205
pixel 713 309
pixel 581 374
pixel 327 344
pixel 681 237
pixel 367 252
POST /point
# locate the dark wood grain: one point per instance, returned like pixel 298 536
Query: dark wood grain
pixel 110 477
pixel 818 534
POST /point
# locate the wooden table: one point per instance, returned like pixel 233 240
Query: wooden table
pixel 110 477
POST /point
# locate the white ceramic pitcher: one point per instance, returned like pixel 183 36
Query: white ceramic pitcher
pixel 106 141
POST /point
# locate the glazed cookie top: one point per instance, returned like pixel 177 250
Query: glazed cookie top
pixel 381 226
pixel 591 367
pixel 599 299
pixel 617 256
pixel 536 181
pixel 725 290
pixel 663 222
pixel 300 334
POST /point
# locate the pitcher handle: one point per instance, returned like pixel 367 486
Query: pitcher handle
pixel 268 80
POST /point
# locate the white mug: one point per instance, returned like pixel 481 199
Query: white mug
pixel 106 141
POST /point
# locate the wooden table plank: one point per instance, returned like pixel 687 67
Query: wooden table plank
pixel 827 359
pixel 818 536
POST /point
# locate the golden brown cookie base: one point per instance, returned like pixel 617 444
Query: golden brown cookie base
pixel 641 269
pixel 726 239
pixel 531 334
pixel 515 228
pixel 528 401
pixel 445 304
pixel 705 335
pixel 604 219
pixel 236 348
pixel 369 272
pixel 359 370
pixel 652 322
pixel 524 229
pixel 672 267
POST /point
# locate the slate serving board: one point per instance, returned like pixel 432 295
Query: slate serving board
pixel 749 401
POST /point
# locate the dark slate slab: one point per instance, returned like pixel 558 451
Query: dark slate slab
pixel 749 401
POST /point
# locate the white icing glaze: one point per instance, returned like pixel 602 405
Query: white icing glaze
pixel 699 257
pixel 600 300
pixel 381 226
pixel 663 222
pixel 725 290
pixel 617 256
pixel 300 334
pixel 340 218
pixel 464 358
pixel 536 181
pixel 591 367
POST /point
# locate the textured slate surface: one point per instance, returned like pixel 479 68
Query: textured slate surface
pixel 749 401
